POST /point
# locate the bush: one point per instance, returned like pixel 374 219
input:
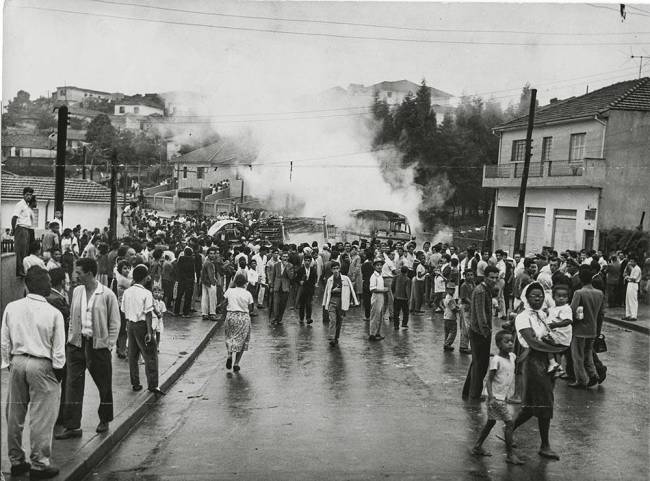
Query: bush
pixel 634 241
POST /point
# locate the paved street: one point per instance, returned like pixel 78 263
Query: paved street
pixel 302 410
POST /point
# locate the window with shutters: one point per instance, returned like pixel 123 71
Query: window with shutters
pixel 184 172
pixel 577 147
pixel 199 172
pixel 547 143
pixel 518 150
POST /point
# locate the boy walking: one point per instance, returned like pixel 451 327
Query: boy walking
pixel 339 296
pixel 451 309
pixel 500 377
pixel 377 291
pixel 465 293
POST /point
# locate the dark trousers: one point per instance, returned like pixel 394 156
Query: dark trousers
pixel 98 363
pixel 279 305
pixel 401 305
pixel 451 329
pixel 480 347
pixel 185 292
pixel 366 302
pixel 120 344
pixel 137 346
pixel 168 291
pixel 305 297
pixel 61 419
pixel 23 238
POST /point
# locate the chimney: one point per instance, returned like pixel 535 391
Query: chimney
pixel 554 100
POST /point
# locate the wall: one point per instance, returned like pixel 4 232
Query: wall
pixel 28 152
pixel 89 214
pixel 561 134
pixel 11 287
pixel 550 199
pixel 142 110
pixel 627 151
pixel 210 177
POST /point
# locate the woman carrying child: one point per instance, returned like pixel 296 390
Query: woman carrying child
pixel 537 381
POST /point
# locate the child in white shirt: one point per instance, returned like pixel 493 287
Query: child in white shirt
pixel 439 289
pixel 159 310
pixel 559 323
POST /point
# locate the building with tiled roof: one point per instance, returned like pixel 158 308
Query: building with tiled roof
pixel 27 145
pixel 85 202
pixel 589 171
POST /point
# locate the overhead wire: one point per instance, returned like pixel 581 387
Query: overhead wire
pixel 358 24
pixel 333 35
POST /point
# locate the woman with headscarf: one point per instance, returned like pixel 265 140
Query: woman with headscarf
pixel 537 399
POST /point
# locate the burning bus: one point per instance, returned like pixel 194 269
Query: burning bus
pixel 378 224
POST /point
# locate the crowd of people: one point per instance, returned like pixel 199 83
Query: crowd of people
pixel 88 294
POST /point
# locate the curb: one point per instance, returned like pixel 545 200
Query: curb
pixel 632 326
pixel 101 447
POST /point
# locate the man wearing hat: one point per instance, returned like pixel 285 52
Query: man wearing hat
pixel 377 295
pixel 339 296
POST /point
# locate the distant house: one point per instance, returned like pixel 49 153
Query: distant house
pixel 85 202
pixel 589 172
pixel 148 104
pixel 75 138
pixel 27 145
pixel 70 93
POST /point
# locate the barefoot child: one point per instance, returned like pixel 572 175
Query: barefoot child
pixel 451 309
pixel 500 376
pixel 559 322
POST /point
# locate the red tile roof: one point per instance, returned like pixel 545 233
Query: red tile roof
pixel 627 95
pixel 223 152
pixel 76 190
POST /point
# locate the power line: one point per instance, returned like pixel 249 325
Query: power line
pixel 614 9
pixel 356 24
pixel 332 35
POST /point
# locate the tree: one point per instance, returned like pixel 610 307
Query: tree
pixel 101 132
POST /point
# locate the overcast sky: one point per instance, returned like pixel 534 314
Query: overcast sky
pixel 45 49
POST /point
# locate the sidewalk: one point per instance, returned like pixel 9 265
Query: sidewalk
pixel 615 316
pixel 182 341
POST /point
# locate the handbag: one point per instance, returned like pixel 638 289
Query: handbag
pixel 599 344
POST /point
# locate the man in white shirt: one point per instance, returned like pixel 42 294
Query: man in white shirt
pixel 378 293
pixel 32 348
pixel 632 291
pixel 94 324
pixel 137 305
pixel 22 228
pixel 261 260
pixel 388 271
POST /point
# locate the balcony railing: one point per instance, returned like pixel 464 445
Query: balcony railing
pixel 554 168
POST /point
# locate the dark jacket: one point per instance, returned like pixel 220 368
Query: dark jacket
pixel 282 280
pixel 308 281
pixel 186 269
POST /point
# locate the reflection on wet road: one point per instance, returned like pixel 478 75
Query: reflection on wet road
pixel 302 410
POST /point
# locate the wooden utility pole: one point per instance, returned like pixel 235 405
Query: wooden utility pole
pixel 83 165
pixel 61 146
pixel 113 181
pixel 524 175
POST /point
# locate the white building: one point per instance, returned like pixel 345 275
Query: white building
pixel 589 171
pixel 85 202
pixel 70 93
pixel 27 145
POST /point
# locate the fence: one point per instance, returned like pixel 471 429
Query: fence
pixel 7 245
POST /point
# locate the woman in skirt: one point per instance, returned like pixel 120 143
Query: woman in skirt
pixel 538 383
pixel 238 321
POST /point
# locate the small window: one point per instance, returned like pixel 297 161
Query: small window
pixel 17 152
pixel 121 110
pixel 577 147
pixel 136 110
pixel 184 172
pixel 590 214
pixel 547 143
pixel 518 150
pixel 62 92
pixel 389 94
pixel 199 172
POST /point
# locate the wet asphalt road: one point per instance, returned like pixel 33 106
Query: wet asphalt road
pixel 300 410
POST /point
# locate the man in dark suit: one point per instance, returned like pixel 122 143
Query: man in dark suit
pixel 283 274
pixel 306 279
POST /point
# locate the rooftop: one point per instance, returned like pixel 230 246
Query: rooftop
pixel 76 190
pixel 223 152
pixel 83 89
pixel 26 141
pixel 627 95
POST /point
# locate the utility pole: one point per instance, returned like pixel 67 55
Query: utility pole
pixel 83 165
pixel 640 57
pixel 524 175
pixel 61 145
pixel 113 182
